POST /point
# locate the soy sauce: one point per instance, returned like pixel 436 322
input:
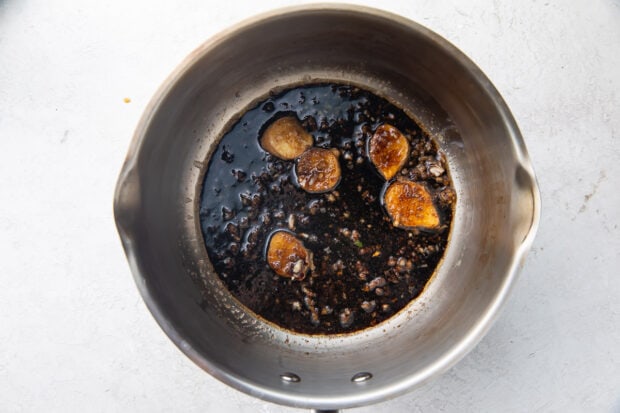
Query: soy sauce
pixel 366 270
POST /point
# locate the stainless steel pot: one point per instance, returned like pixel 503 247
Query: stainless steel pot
pixel 156 204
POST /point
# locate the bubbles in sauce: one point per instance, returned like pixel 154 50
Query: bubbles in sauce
pixel 339 262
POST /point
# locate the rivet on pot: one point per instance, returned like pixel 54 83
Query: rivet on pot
pixel 290 378
pixel 361 377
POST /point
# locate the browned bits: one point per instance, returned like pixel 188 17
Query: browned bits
pixel 233 247
pixel 327 310
pixel 434 168
pixel 314 318
pixel 447 196
pixel 368 306
pixel 388 150
pixel 286 138
pixel 318 170
pixel 239 175
pixel 409 205
pixel 233 231
pixel 227 214
pixel 346 318
pixel 391 262
pixel 287 256
pixel 376 282
pixel 291 222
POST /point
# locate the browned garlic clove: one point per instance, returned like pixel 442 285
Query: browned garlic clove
pixel 318 170
pixel 286 138
pixel 409 205
pixel 388 150
pixel 287 256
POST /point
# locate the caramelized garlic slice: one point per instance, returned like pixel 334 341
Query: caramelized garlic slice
pixel 409 205
pixel 288 256
pixel 388 150
pixel 285 138
pixel 318 170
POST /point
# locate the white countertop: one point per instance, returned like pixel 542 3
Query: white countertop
pixel 74 332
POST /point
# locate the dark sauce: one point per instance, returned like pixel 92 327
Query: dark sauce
pixel 366 270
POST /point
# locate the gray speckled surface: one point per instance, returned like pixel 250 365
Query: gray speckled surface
pixel 75 334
